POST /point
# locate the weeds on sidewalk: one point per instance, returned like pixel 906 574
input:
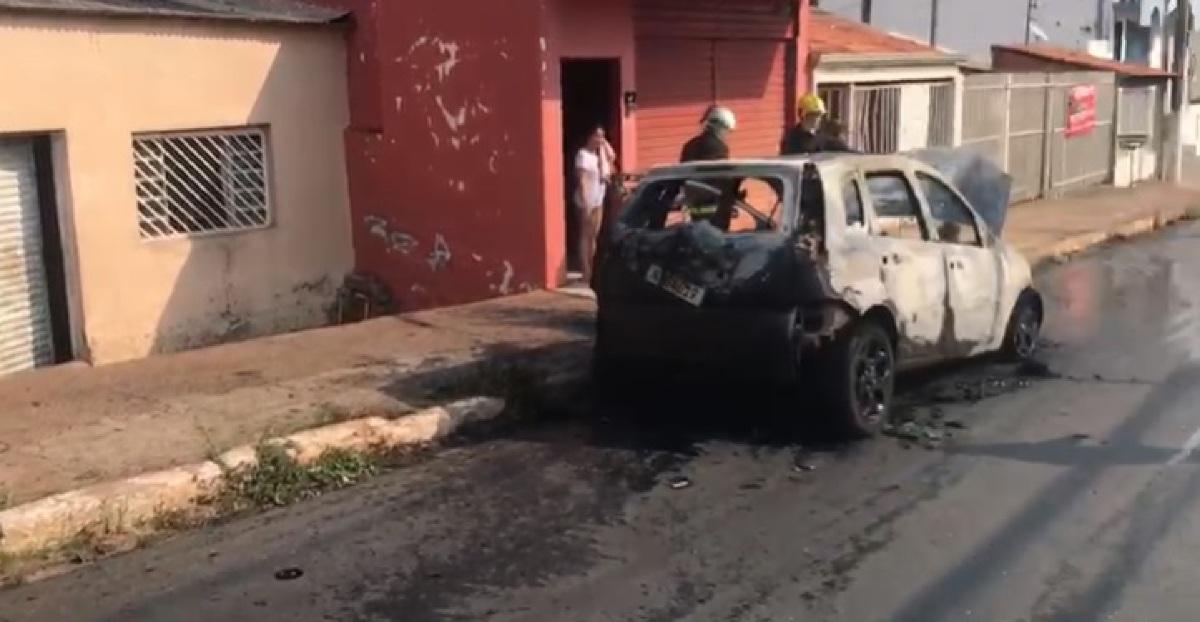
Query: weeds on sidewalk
pixel 278 479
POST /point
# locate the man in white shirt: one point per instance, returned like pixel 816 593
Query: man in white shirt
pixel 595 163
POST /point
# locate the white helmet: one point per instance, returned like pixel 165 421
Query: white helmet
pixel 720 117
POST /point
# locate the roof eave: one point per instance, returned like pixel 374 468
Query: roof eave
pixel 859 60
pixel 108 13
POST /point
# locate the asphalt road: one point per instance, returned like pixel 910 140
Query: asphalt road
pixel 1072 497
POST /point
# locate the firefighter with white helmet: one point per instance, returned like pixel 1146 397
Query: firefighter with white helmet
pixel 806 136
pixel 710 144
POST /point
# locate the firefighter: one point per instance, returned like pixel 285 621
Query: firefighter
pixel 709 144
pixel 806 136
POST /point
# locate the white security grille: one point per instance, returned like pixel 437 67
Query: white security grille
pixel 941 115
pixel 875 118
pixel 200 182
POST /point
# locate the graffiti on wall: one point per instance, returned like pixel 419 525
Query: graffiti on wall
pixel 395 240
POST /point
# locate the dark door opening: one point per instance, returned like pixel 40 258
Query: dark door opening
pixel 591 96
pixel 53 257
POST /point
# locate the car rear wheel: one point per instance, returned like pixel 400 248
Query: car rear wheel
pixel 863 365
pixel 1024 328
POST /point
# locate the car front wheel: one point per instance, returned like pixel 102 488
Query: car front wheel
pixel 864 377
pixel 1024 328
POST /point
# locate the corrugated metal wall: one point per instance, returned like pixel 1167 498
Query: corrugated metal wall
pixel 1019 120
pixel 692 53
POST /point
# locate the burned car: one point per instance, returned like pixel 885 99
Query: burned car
pixel 841 269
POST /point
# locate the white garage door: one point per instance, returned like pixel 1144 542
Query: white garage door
pixel 25 335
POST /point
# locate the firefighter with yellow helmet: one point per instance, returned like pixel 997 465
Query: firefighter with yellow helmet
pixel 806 136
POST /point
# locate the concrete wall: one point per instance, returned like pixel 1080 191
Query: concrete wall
pixel 93 82
pixel 914 116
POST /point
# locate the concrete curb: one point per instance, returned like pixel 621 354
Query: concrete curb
pixel 116 506
pixel 1078 243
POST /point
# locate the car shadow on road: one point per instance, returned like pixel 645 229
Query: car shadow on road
pixel 683 416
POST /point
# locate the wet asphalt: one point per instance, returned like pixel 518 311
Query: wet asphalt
pixel 1065 493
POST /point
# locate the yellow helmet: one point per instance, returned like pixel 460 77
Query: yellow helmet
pixel 811 104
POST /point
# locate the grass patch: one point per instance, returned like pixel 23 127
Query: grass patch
pixel 1192 213
pixel 279 480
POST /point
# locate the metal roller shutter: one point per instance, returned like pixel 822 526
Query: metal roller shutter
pixel 25 329
pixel 674 88
pixel 752 81
pixel 691 53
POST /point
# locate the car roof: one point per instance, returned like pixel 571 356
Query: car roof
pixel 793 161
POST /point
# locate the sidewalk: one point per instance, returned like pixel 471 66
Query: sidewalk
pixel 72 426
pixel 1046 229
pixel 68 427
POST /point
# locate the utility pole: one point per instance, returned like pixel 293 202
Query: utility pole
pixel 866 11
pixel 933 22
pixel 1179 94
pixel 1029 6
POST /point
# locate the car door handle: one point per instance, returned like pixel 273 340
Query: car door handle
pixel 956 265
pixel 893 258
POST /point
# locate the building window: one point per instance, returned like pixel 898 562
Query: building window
pixel 836 98
pixel 941 115
pixel 1136 109
pixel 201 182
pixel 875 118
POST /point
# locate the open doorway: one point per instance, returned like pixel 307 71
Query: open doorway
pixel 591 96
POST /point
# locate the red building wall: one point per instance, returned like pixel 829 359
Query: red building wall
pixel 579 29
pixel 445 148
pixel 455 145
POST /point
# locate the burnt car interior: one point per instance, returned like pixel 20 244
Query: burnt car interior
pixel 730 204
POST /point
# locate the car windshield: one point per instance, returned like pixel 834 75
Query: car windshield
pixel 734 204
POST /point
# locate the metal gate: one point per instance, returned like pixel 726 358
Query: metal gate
pixel 25 332
pixel 1019 120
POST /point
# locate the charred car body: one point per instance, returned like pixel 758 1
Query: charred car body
pixel 844 268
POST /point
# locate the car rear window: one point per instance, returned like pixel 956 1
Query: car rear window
pixel 733 204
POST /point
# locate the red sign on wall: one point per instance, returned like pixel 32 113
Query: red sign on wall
pixel 1081 110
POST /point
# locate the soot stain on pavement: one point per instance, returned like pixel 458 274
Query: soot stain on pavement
pixel 540 525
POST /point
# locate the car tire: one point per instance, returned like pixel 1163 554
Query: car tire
pixel 1024 328
pixel 862 364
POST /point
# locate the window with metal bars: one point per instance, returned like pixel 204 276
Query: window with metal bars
pixel 201 182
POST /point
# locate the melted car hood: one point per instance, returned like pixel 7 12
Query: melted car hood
pixel 986 186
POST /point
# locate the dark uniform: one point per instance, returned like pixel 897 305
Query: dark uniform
pixel 799 140
pixel 708 146
pixel 705 146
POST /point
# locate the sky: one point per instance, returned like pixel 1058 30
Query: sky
pixel 972 26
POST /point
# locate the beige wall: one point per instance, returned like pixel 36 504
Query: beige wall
pixel 96 81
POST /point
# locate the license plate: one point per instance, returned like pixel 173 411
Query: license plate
pixel 676 286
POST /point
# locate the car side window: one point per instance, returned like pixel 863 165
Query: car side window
pixel 897 212
pixel 951 216
pixel 852 203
